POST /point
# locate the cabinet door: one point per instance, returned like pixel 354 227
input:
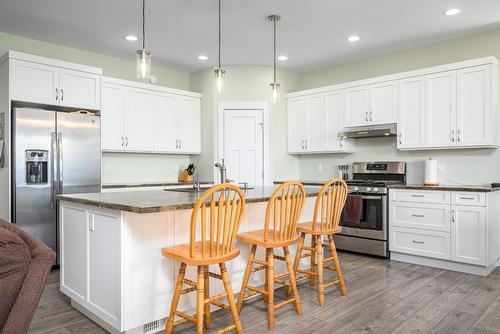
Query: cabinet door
pixel 383 102
pixel 474 106
pixel 411 130
pixel 104 265
pixel 334 110
pixel 32 82
pixel 468 234
pixel 296 120
pixel 165 123
pixel 80 89
pixel 112 114
pixel 441 109
pixel 315 123
pixel 138 119
pixel 189 124
pixel 357 103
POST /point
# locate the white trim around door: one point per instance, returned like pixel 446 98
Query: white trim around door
pixel 250 105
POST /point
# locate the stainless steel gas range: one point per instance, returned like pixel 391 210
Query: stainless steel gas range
pixel 369 180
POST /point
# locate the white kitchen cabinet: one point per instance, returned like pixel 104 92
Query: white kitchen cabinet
pixel 357 111
pixel 50 84
pixel 296 121
pixel 441 109
pixel 411 120
pixel 138 120
pixel 383 102
pixel 334 123
pixel 468 243
pixel 33 82
pixel 314 140
pixel 112 117
pixel 474 106
pixel 79 89
pixel 165 123
pixel 189 124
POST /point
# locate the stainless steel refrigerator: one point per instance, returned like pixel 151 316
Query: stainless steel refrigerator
pixel 53 153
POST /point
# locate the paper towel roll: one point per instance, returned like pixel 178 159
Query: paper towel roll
pixel 431 173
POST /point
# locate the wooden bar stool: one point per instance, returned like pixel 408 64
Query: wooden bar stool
pixel 215 220
pixel 283 212
pixel 327 212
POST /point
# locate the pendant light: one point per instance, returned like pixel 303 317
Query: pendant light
pixel 275 86
pixel 143 55
pixel 219 72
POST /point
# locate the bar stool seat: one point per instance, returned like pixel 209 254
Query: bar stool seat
pixel 307 228
pixel 181 253
pixel 258 238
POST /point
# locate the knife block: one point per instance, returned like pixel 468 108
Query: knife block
pixel 185 177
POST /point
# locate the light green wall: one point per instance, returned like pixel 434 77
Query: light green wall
pixel 246 84
pixel 473 166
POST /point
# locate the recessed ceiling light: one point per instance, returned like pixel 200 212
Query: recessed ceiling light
pixel 202 57
pixel 283 58
pixel 131 38
pixel 452 11
pixel 353 38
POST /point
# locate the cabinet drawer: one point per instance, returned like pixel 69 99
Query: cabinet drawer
pixel 420 196
pixel 468 198
pixel 435 217
pixel 419 242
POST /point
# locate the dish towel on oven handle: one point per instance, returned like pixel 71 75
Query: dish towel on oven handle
pixel 353 209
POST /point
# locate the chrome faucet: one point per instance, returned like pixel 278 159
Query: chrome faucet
pixel 222 171
pixel 196 184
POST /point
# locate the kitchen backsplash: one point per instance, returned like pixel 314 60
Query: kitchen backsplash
pixel 473 166
pixel 143 168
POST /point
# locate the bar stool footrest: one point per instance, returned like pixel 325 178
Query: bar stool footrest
pixel 283 303
pixel 329 284
pixel 259 268
pixel 282 282
pixel 226 329
pixel 188 290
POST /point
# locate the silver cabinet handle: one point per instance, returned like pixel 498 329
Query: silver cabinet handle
pixel 371 116
pixel 366 116
pixel 303 144
pixel 418 242
pixel 180 143
pixel 176 144
pixel 471 198
pixel 417 195
pixel 341 142
pixel 126 141
pixel 458 135
pixel 452 216
pixel 453 135
pixel 62 94
pixel 418 216
pixel 57 94
pixel 123 141
pixel 400 138
pixel 307 143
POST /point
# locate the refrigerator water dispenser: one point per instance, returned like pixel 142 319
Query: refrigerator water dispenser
pixel 36 166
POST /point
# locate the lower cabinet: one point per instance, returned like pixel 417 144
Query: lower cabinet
pixel 439 225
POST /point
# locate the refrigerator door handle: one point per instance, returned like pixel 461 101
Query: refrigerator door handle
pixel 53 186
pixel 60 162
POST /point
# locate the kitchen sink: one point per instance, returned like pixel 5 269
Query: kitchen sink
pixel 196 190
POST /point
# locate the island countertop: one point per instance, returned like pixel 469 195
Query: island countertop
pixel 150 201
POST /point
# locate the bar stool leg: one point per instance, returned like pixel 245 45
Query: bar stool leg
pixel 270 287
pixel 246 277
pixel 207 295
pixel 230 298
pixel 337 265
pixel 298 254
pixel 293 282
pixel 175 299
pixel 313 260
pixel 321 287
pixel 200 298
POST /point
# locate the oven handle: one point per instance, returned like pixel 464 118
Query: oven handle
pixel 372 197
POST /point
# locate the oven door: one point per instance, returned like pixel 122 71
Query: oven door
pixel 373 224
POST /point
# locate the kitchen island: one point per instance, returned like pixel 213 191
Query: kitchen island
pixel 111 262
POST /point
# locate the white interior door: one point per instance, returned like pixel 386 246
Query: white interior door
pixel 243 145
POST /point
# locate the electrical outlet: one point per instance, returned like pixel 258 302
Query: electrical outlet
pixel 319 167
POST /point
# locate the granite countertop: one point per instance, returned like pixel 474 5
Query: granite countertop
pixel 148 184
pixel 470 188
pixel 306 183
pixel 149 201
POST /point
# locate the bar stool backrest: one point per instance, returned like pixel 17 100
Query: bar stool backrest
pixel 283 211
pixel 215 220
pixel 329 205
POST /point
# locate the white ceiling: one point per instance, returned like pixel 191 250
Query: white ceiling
pixel 312 33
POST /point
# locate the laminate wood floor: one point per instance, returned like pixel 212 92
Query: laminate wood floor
pixel 382 297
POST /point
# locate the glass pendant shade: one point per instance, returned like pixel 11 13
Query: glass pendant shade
pixel 275 92
pixel 219 80
pixel 143 64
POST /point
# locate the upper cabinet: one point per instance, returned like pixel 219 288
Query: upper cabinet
pixel 442 107
pixel 48 81
pixel 144 118
pixel 371 104
pixel 314 122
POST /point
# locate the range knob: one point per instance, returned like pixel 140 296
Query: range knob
pixel 375 190
pixel 368 189
pixel 356 188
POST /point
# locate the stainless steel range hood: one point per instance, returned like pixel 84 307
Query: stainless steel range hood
pixel 370 131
